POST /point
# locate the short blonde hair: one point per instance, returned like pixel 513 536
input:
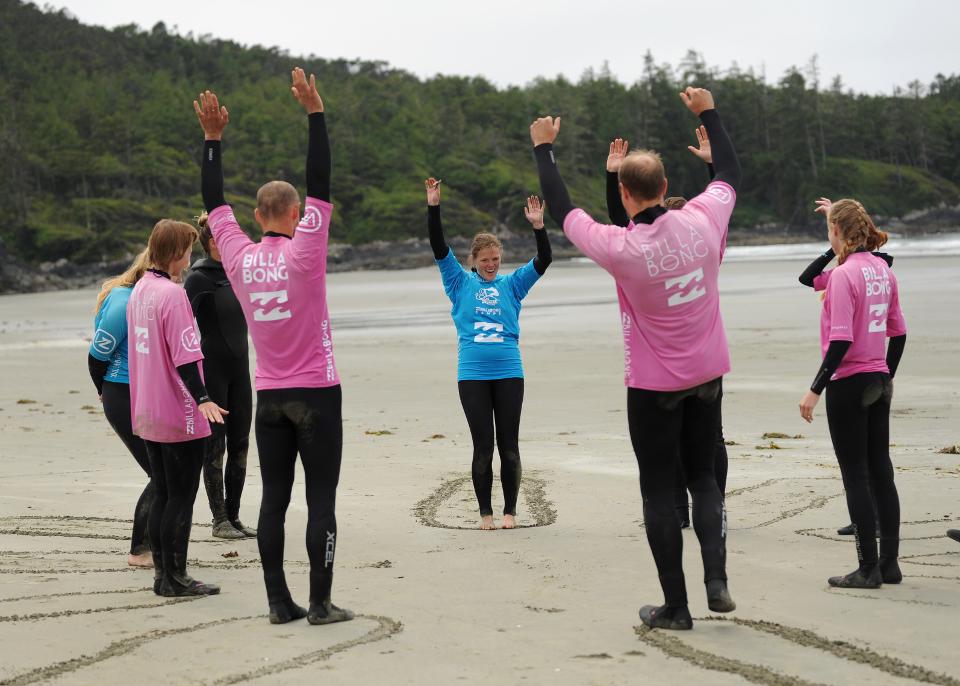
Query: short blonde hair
pixel 276 197
pixel 482 241
pixel 642 174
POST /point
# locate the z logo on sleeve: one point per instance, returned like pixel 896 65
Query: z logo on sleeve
pixel 720 192
pixel 104 342
pixel 312 220
pixel 190 340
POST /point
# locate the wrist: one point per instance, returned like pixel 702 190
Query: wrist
pixel 212 136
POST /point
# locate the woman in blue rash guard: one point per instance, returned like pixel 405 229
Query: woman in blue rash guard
pixel 486 312
pixel 107 362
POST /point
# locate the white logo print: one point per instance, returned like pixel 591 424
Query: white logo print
pixel 330 547
pixel 488 296
pixel 104 342
pixel 487 337
pixel 721 193
pixel 190 340
pixel 682 282
pixel 142 339
pixel 262 314
pixel 312 220
pixel 878 325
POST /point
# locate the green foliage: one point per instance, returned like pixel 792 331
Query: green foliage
pixel 98 138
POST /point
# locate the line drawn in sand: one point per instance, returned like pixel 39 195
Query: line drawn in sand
pixel 758 674
pixel 532 488
pixel 10 562
pixel 385 628
pixel 73 526
pixel 953 561
pixel 831 535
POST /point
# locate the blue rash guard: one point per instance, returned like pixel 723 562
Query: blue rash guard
pixel 487 317
pixel 109 342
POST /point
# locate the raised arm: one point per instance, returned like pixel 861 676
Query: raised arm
pixel 533 211
pixel 318 149
pixel 543 132
pixel 213 119
pixel 725 162
pixel 434 226
pixel 618 150
pixel 703 149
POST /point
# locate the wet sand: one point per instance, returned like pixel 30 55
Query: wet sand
pixel 553 602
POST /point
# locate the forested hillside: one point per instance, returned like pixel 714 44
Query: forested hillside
pixel 98 138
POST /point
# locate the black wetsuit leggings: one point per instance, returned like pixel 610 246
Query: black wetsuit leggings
pixel 228 384
pixel 490 404
pixel 664 428
pixel 858 412
pixel 305 421
pixel 176 471
pixel 719 469
pixel 116 407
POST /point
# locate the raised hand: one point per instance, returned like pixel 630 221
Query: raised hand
pixel 702 150
pixel 212 116
pixel 533 211
pixel 823 206
pixel 618 150
pixel 213 412
pixel 697 100
pixel 433 191
pixel 544 130
pixel 306 92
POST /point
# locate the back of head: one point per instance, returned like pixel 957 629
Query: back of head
pixel 275 198
pixel 675 202
pixel 855 227
pixel 168 241
pixel 127 279
pixel 205 235
pixel 642 174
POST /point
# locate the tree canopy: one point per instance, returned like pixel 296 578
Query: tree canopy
pixel 98 138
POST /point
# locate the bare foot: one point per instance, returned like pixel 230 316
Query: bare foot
pixel 144 560
pixel 486 523
pixel 509 522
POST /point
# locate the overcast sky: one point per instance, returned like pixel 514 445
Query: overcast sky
pixel 872 45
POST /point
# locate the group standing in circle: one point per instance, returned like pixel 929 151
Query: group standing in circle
pixel 179 399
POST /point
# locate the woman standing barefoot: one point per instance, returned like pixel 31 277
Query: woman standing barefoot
pixel 486 312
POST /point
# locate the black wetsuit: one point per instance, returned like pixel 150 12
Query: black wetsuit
pixel 492 406
pixel 291 421
pixel 226 367
pixel 858 413
pixel 661 422
pixel 618 216
pixel 116 408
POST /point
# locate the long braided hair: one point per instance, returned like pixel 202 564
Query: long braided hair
pixel 855 227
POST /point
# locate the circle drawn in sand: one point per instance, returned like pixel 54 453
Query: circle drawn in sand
pixel 758 674
pixel 71 526
pixel 53 562
pixel 385 628
pixel 428 510
pixel 929 530
pixel 934 562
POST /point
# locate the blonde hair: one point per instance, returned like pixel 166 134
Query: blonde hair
pixel 168 241
pixel 674 202
pixel 276 197
pixel 482 241
pixel 855 227
pixel 642 173
pixel 128 279
pixel 205 234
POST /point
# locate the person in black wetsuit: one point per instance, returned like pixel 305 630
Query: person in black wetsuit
pixel 486 312
pixel 107 363
pixel 226 368
pixel 860 312
pixel 675 346
pixel 813 277
pixel 618 215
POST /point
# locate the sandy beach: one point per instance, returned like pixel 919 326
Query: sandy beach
pixel 440 602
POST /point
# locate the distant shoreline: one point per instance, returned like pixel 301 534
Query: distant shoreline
pixel 412 253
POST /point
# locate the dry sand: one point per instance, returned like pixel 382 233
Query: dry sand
pixel 439 602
